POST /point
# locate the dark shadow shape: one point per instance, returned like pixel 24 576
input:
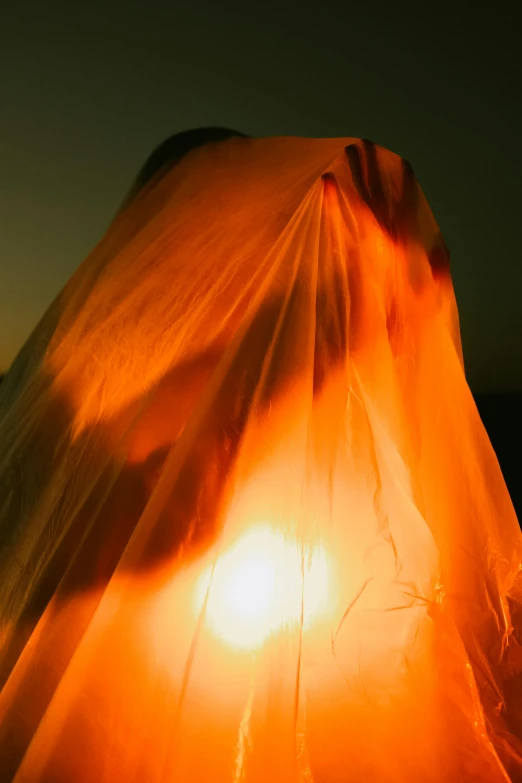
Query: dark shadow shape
pixel 171 151
pixel 397 219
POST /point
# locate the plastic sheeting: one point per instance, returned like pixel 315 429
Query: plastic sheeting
pixel 252 526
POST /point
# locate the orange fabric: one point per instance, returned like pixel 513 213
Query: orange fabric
pixel 252 526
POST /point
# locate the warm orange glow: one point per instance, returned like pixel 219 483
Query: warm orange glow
pixel 261 584
pixel 251 526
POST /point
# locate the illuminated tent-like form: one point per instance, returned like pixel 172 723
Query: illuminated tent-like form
pixel 252 526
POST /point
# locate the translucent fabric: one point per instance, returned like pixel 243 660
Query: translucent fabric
pixel 252 528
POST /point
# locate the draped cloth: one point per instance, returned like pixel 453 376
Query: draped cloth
pixel 251 525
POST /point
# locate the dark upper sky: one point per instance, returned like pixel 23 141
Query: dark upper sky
pixel 87 91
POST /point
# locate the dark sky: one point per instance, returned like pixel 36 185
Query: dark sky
pixel 87 91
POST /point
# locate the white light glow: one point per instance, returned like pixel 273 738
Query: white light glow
pixel 261 584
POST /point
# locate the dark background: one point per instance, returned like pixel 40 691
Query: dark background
pixel 88 90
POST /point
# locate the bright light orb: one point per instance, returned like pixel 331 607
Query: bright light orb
pixel 263 583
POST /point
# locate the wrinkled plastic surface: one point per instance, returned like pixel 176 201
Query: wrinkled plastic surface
pixel 252 528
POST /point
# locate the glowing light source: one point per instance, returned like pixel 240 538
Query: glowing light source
pixel 263 583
